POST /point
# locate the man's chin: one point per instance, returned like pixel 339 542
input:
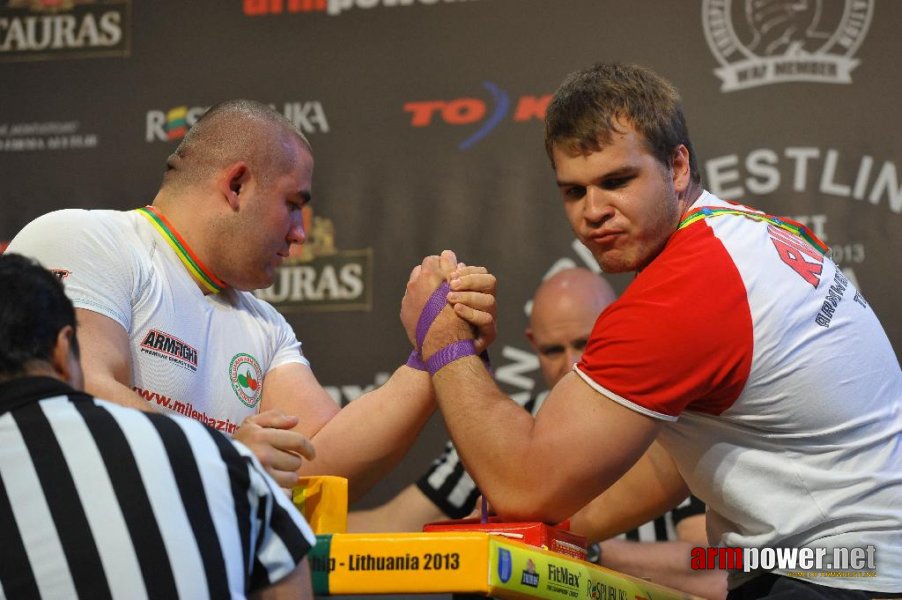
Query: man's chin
pixel 258 283
pixel 614 264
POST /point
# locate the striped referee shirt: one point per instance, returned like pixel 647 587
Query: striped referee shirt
pixel 448 485
pixel 102 501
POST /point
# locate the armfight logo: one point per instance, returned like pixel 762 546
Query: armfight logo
pixel 50 29
pixel 318 277
pixel 255 8
pixel 173 124
pixel 760 42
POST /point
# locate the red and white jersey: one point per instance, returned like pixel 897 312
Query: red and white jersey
pixel 204 356
pixel 781 393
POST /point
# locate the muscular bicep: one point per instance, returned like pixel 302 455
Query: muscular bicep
pixel 293 389
pixel 587 441
pixel 105 355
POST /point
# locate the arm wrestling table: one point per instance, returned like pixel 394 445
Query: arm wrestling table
pixel 456 562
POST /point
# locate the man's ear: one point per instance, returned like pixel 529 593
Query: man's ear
pixel 233 183
pixel 531 337
pixel 64 358
pixel 680 170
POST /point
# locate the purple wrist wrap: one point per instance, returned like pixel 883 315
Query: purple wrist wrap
pixel 437 301
pixel 415 362
pixel 450 353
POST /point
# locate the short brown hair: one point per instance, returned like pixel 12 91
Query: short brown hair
pixel 583 113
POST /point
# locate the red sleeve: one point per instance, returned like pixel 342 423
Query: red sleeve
pixel 680 336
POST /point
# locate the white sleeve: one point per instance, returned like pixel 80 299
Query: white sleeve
pixel 287 348
pixel 94 255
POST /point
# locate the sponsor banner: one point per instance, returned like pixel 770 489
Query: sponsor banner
pixel 256 8
pixel 487 114
pixel 805 169
pixel 172 124
pixel 480 563
pixel 401 562
pixel 51 29
pixel 46 135
pixel 338 282
pixel 317 276
pixel 519 570
pixel 760 43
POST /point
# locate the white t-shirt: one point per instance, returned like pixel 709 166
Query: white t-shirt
pixel 202 356
pixel 780 391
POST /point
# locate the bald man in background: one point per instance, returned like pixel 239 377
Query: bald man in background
pixel 564 310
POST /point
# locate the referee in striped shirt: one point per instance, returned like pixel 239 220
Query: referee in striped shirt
pixel 101 501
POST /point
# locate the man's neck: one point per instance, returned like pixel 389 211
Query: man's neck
pixel 177 226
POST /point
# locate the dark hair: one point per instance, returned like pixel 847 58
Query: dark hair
pixel 33 310
pixel 584 112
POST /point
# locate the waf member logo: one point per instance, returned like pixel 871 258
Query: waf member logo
pixel 760 42
pixel 247 379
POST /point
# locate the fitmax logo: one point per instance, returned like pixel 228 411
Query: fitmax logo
pixel 469 110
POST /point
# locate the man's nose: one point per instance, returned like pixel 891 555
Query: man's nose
pixel 297 234
pixel 596 208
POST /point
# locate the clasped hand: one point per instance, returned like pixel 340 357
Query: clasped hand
pixel 471 303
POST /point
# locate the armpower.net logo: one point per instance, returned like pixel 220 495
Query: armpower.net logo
pixel 51 29
pixel 797 562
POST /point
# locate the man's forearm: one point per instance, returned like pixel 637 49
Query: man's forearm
pixel 408 511
pixel 109 389
pixel 667 563
pixel 367 438
pixel 650 488
pixel 495 457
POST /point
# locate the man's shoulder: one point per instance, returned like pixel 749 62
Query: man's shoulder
pixel 81 217
pixel 261 309
pixel 73 225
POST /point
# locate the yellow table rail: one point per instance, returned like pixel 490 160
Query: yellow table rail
pixel 465 563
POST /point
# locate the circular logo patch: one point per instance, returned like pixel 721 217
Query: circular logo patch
pixel 247 378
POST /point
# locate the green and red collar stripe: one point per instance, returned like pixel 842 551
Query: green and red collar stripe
pixel 789 225
pixel 198 270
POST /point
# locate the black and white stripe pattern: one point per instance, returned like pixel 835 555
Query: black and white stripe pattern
pixel 99 501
